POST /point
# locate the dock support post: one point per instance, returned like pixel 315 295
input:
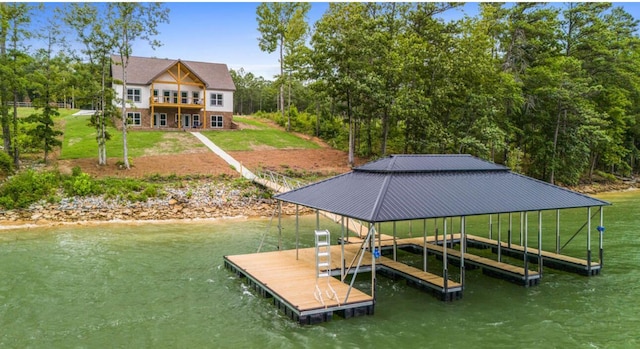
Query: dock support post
pixel 395 245
pixel 526 258
pixel 558 231
pixel 279 225
pixel 589 240
pixel 463 248
pixel 444 255
pixel 424 245
pixel 297 230
pixel 435 226
pixel 317 219
pixel 601 231
pixel 540 243
pixel 372 241
pixel 522 215
pixel 510 230
pixel 342 229
pixel 499 239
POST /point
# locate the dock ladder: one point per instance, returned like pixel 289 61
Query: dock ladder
pixel 323 265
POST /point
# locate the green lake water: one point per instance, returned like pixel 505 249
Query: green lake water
pixel 165 286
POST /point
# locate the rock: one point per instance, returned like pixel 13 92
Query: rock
pixel 173 202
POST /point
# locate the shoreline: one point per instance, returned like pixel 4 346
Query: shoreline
pixel 173 212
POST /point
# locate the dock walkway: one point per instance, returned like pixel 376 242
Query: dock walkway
pixel 549 259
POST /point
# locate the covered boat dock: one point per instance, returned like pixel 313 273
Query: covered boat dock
pixel 443 192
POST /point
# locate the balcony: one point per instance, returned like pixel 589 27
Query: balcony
pixel 183 102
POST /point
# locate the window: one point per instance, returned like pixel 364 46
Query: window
pixel 217 121
pixel 196 120
pixel 133 94
pixel 184 97
pixel 134 119
pixel 166 96
pixel 216 99
pixel 155 95
pixel 160 119
pixel 196 97
pixel 175 96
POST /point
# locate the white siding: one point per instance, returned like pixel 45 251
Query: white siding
pixel 144 96
pixel 227 101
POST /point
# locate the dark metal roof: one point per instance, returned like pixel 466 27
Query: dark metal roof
pixel 404 187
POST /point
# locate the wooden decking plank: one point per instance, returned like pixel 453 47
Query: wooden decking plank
pixel 483 261
pixel 534 251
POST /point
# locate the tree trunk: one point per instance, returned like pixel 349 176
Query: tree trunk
pixel 125 146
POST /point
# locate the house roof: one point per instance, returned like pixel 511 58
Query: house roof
pixel 143 70
pixel 406 187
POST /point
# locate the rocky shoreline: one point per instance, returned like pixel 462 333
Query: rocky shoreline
pixel 197 202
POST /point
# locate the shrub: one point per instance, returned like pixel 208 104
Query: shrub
pixel 28 187
pixel 6 164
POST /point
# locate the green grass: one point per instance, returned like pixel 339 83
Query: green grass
pixel 248 139
pixel 80 141
pixel 250 121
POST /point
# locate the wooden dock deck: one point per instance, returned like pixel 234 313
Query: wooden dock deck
pixel 291 282
pixel 489 266
pixel 549 259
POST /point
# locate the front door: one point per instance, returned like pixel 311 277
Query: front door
pixel 186 120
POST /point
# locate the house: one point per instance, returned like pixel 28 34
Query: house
pixel 175 94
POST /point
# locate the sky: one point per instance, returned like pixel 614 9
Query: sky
pixel 227 32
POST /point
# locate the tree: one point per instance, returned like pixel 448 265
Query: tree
pixel 14 22
pixel 129 21
pixel 283 27
pixel 47 86
pixel 91 29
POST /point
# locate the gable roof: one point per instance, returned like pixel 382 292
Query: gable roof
pixel 406 187
pixel 143 70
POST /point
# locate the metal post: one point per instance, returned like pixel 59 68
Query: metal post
pixel 499 239
pixel 297 231
pixel 540 243
pixel 435 227
pixel 342 260
pixel 558 231
pixel 394 242
pixel 347 226
pixel 424 245
pixel 510 226
pixel 372 241
pixel 589 240
pixel 601 231
pixel 444 254
pixel 463 248
pixel 279 225
pixel 522 215
pixel 318 219
pixel 526 259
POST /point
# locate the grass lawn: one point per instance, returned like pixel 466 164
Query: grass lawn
pixel 80 141
pixel 261 135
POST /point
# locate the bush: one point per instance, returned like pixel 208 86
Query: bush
pixel 6 164
pixel 28 187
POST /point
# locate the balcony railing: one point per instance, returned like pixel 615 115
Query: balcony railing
pixel 174 101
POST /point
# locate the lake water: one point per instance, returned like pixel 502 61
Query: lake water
pixel 165 286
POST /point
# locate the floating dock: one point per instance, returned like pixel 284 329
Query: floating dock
pixel 290 281
pixel 549 259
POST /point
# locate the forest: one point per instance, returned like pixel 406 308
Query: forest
pixel 549 89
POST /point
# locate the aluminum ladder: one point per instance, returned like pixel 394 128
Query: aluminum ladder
pixel 323 266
